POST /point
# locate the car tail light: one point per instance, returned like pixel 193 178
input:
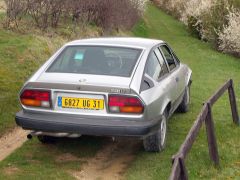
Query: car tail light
pixel 35 98
pixel 124 104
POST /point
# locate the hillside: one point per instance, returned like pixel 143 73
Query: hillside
pixel 22 54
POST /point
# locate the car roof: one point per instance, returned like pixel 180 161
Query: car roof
pixel 143 43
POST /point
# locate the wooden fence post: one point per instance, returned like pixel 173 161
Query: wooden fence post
pixel 176 169
pixel 212 143
pixel 183 172
pixel 179 171
pixel 233 103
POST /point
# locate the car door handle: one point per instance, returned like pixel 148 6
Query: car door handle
pixel 177 79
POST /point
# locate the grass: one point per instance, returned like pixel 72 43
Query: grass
pixel 20 55
pixel 59 161
pixel 210 70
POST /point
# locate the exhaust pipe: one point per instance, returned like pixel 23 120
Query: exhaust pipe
pixel 29 136
pixel 40 133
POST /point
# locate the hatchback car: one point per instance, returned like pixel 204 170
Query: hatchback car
pixel 106 87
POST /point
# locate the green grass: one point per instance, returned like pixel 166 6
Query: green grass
pixel 20 55
pixel 57 161
pixel 210 70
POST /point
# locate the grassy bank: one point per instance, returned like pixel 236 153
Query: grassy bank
pixel 20 56
pixel 210 70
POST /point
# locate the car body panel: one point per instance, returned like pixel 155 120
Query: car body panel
pixel 165 94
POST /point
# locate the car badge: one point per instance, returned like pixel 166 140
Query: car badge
pixel 117 91
pixel 82 80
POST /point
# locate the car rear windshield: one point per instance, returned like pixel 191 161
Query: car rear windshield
pixel 97 60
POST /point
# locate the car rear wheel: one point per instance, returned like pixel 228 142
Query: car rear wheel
pixel 157 141
pixel 184 106
pixel 46 139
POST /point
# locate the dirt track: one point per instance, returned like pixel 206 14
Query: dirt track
pixel 110 162
pixel 12 141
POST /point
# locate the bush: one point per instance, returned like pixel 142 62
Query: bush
pixel 15 9
pixel 173 7
pixel 194 26
pixel 45 12
pixel 209 20
pixel 229 37
pixel 108 14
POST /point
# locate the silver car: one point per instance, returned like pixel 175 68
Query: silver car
pixel 106 87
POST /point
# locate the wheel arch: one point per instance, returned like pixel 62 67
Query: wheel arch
pixel 167 107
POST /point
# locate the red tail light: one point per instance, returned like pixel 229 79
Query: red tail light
pixel 125 104
pixel 35 98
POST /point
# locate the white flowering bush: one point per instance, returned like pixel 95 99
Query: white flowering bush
pixel 229 37
pixel 183 9
pixel 195 8
pixel 174 7
pixel 210 20
pixel 140 5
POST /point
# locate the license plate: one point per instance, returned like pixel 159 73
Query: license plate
pixel 81 103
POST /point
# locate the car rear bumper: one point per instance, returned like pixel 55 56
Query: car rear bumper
pixel 100 126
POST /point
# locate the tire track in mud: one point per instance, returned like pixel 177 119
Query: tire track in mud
pixel 111 161
pixel 11 141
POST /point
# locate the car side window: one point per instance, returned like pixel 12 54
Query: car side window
pixel 164 68
pixel 176 58
pixel 153 67
pixel 168 56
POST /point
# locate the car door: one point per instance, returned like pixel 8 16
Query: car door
pixel 159 93
pixel 176 75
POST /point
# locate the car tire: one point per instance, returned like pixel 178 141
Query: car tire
pixel 184 106
pixel 46 139
pixel 157 141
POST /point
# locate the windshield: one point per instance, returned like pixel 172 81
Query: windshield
pixel 97 60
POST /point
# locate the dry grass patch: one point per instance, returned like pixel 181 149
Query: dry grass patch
pixel 66 157
pixel 2 6
pixel 11 170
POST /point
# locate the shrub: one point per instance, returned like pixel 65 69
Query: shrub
pixel 229 37
pixel 209 20
pixel 108 14
pixel 214 20
pixel 45 12
pixel 173 7
pixel 194 26
pixel 15 9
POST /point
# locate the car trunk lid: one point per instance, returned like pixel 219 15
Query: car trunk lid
pixel 81 94
pixel 85 79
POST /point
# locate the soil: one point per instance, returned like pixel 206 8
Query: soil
pixel 11 141
pixel 111 161
pixel 67 157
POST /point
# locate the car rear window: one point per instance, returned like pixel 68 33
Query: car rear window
pixel 97 60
